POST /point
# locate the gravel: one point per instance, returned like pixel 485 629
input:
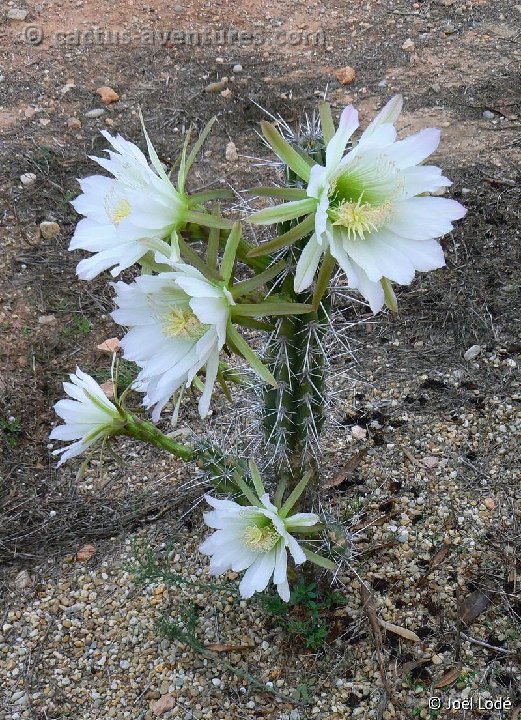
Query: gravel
pixel 82 638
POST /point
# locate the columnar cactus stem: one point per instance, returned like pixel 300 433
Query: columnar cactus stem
pixel 294 412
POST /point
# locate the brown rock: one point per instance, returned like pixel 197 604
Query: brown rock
pixel 74 123
pixel 231 152
pixel 163 705
pixel 49 230
pixel 345 75
pixel 107 94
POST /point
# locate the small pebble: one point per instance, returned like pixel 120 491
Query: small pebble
pixel 230 152
pixel 17 14
pixel 49 230
pixel 95 113
pixel 28 179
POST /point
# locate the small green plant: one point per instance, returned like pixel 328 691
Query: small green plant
pixel 27 331
pixel 61 305
pixel 79 325
pixel 305 616
pixel 11 429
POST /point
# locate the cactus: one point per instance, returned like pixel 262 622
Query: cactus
pixel 294 411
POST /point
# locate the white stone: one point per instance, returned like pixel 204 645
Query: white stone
pixel 28 179
pixel 472 352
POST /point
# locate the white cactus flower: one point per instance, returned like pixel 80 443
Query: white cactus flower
pixel 177 327
pixel 129 215
pixel 89 416
pixel 256 539
pixel 370 207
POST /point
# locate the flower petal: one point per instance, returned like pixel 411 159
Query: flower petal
pixel 307 264
pixel 337 145
pixel 257 576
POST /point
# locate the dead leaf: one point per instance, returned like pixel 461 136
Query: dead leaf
pixel 410 456
pixel 226 647
pixel 439 556
pixel 369 607
pixel 163 705
pixel 473 605
pixel 348 469
pixel 107 95
pixel 411 665
pixel 85 553
pixel 398 630
pixel 108 388
pixel 111 345
pixel 449 677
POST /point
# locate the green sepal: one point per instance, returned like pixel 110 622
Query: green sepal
pixel 181 173
pixel 319 560
pixel 269 309
pixel 207 220
pixel 246 490
pixel 230 251
pixel 389 296
pixel 224 387
pixel 286 239
pixel 249 355
pixel 255 476
pixel 199 143
pixel 299 163
pixel 324 276
pixel 246 286
pixel 279 192
pixel 295 494
pixel 326 121
pixel 284 212
pixel 252 323
pixel 193 259
pixel 207 195
pixel 154 159
pixel 212 249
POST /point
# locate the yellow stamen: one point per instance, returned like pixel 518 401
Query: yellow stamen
pixel 182 323
pixel 360 218
pixel 260 539
pixel 119 211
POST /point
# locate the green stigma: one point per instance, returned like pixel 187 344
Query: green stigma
pixel 260 539
pixel 182 323
pixel 360 219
